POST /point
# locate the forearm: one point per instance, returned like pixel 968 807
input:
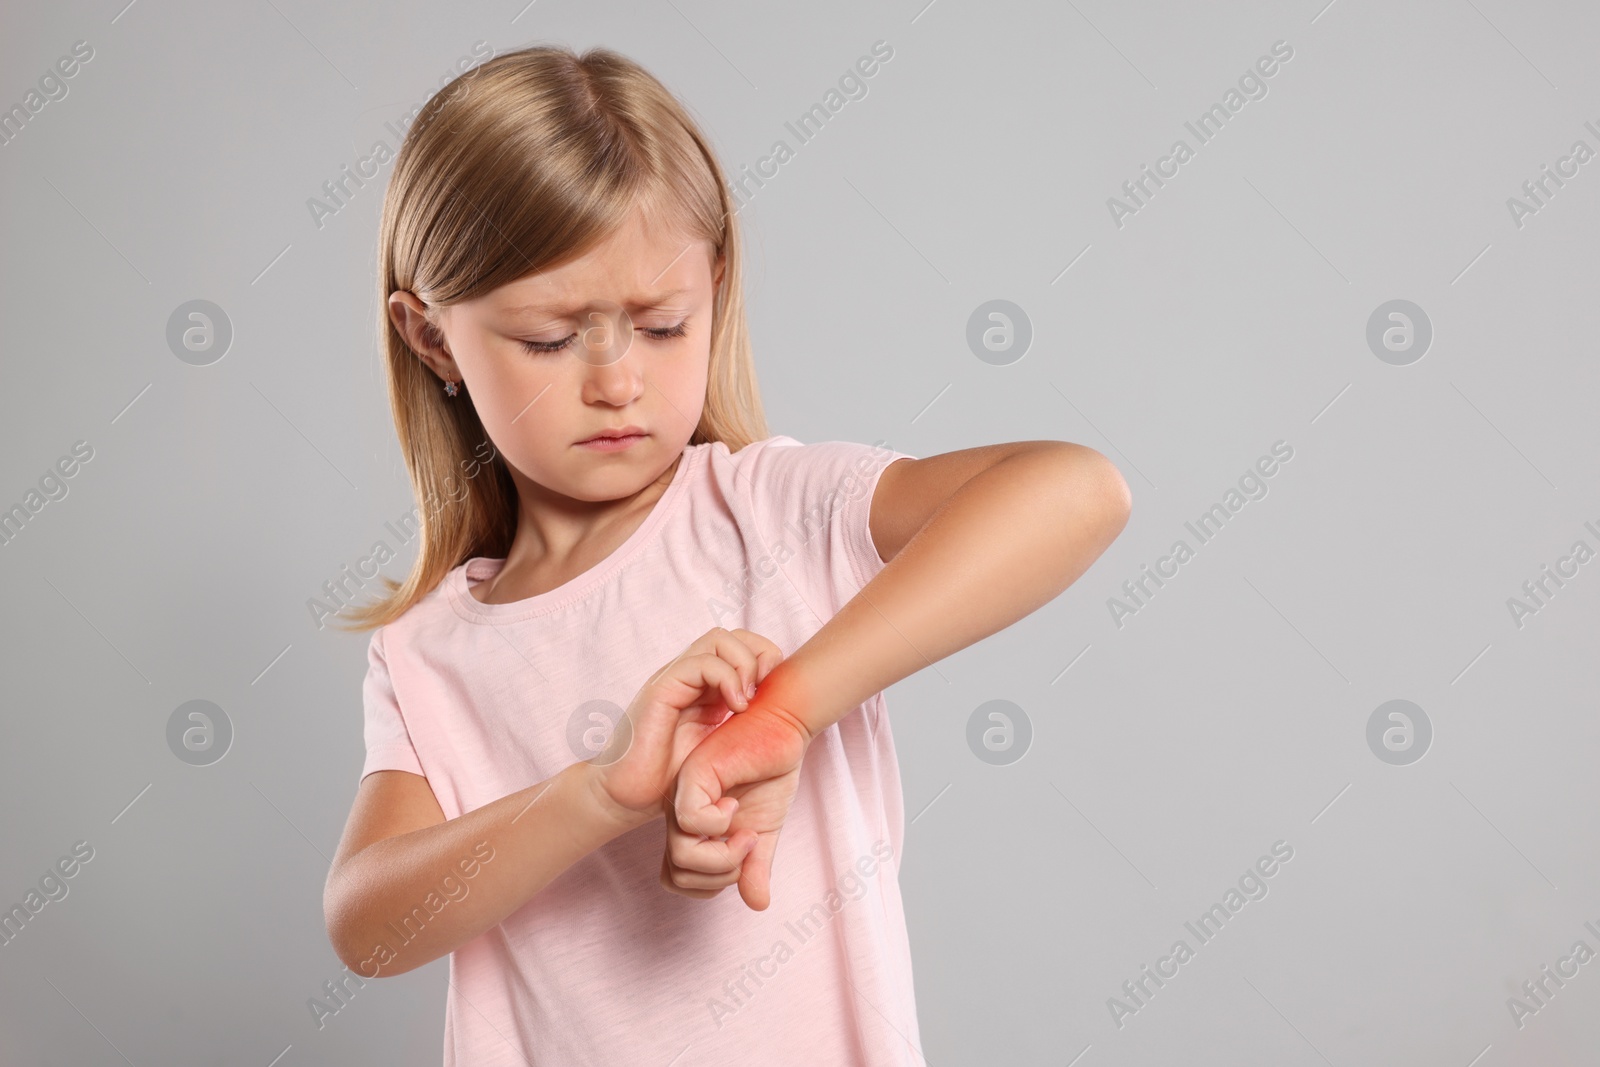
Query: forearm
pixel 407 900
pixel 1009 540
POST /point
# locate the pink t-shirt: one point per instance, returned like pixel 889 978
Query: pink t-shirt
pixel 604 966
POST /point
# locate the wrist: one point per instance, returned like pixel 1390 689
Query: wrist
pixel 614 816
pixel 787 695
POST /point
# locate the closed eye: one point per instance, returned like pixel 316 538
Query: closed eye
pixel 657 333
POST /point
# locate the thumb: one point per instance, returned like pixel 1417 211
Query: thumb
pixel 755 876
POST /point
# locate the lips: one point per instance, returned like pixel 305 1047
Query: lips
pixel 624 431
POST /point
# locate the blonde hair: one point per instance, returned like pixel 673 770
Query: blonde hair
pixel 520 164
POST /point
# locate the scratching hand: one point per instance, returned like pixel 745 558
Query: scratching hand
pixel 674 711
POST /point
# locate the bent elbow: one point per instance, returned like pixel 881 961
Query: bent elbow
pixel 365 953
pixel 1100 480
pixel 343 944
pixel 359 959
pixel 1119 497
pixel 343 925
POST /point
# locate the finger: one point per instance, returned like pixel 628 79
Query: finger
pixel 768 655
pixel 706 866
pixel 699 806
pixel 684 681
pixel 698 894
pixel 699 688
pixel 707 714
pixel 753 654
pixel 736 651
pixel 668 883
pixel 715 677
pixel 728 872
pixel 691 854
pixel 755 878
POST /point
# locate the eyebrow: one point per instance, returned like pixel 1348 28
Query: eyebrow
pixel 656 300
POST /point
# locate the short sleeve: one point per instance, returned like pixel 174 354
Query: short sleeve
pixel 813 503
pixel 389 745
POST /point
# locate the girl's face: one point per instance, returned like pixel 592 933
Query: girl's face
pixel 620 337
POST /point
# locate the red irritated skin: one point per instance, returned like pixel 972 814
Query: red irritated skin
pixel 974 541
pixel 755 758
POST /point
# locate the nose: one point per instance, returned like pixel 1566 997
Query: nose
pixel 617 382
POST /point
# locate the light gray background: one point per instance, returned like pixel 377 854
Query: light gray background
pixel 1227 314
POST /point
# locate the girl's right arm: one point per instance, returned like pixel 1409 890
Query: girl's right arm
pixel 398 849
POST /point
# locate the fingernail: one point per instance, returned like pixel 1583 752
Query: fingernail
pixel 750 691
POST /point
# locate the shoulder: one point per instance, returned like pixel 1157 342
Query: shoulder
pixel 429 620
pixel 804 488
pixel 751 454
pixel 781 466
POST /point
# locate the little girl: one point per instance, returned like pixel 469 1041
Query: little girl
pixel 632 603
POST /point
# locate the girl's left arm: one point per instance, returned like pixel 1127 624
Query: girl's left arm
pixel 974 540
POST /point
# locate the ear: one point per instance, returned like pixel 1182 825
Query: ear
pixel 410 319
